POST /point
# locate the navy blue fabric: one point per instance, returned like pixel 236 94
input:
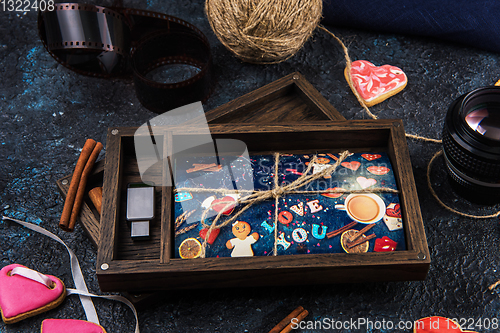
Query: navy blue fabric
pixel 474 23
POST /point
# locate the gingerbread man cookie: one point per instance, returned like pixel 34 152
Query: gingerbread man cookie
pixel 242 244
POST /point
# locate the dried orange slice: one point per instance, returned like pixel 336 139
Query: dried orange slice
pixel 190 248
pixel 347 236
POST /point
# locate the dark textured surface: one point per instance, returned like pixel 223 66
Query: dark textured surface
pixel 47 112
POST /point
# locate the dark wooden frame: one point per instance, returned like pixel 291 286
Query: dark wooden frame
pixel 166 272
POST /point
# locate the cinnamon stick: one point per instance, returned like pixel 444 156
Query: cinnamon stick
pixel 282 324
pixel 290 326
pixel 75 181
pixel 213 169
pixel 360 241
pixel 361 232
pixel 77 205
pixel 341 230
pixel 95 196
pixel 203 167
pixel 333 156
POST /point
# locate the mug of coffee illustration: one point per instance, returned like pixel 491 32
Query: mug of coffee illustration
pixel 364 208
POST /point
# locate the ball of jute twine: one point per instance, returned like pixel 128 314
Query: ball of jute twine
pixel 263 31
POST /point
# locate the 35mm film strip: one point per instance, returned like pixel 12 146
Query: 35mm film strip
pixel 122 42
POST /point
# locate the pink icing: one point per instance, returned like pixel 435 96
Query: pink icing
pixel 19 295
pixel 372 81
pixel 70 325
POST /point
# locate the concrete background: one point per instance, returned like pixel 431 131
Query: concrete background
pixel 47 112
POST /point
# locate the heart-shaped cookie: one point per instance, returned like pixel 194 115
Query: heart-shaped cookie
pixel 22 297
pixel 393 210
pixel 438 324
pixel 354 165
pixel 213 234
pixel 371 157
pixel 224 204
pixel 366 182
pixel 70 325
pixel 376 84
pixel 378 170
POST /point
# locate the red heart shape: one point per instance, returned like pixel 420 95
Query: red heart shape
pixel 220 204
pixel 375 84
pixel 378 170
pixel 213 234
pixel 394 211
pixel 371 157
pixel 70 325
pixel 437 325
pixel 351 165
pixel 21 297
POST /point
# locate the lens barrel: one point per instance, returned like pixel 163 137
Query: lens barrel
pixel 471 145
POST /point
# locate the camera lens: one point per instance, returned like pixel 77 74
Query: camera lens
pixel 471 145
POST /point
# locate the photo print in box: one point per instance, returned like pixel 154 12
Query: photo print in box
pixel 353 221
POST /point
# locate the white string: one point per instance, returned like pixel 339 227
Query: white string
pixel 110 297
pixel 32 275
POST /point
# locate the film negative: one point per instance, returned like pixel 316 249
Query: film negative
pixel 122 42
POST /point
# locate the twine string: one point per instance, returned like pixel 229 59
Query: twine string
pixel 277 194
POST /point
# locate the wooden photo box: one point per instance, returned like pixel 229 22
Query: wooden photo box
pixel 147 265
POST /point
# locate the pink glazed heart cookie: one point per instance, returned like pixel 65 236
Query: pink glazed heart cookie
pixel 376 84
pixel 70 325
pixel 22 297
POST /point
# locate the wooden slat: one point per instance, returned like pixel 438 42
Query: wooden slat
pixel 263 271
pixel 111 198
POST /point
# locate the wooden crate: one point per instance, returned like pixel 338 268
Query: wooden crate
pixel 291 99
pixel 149 265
